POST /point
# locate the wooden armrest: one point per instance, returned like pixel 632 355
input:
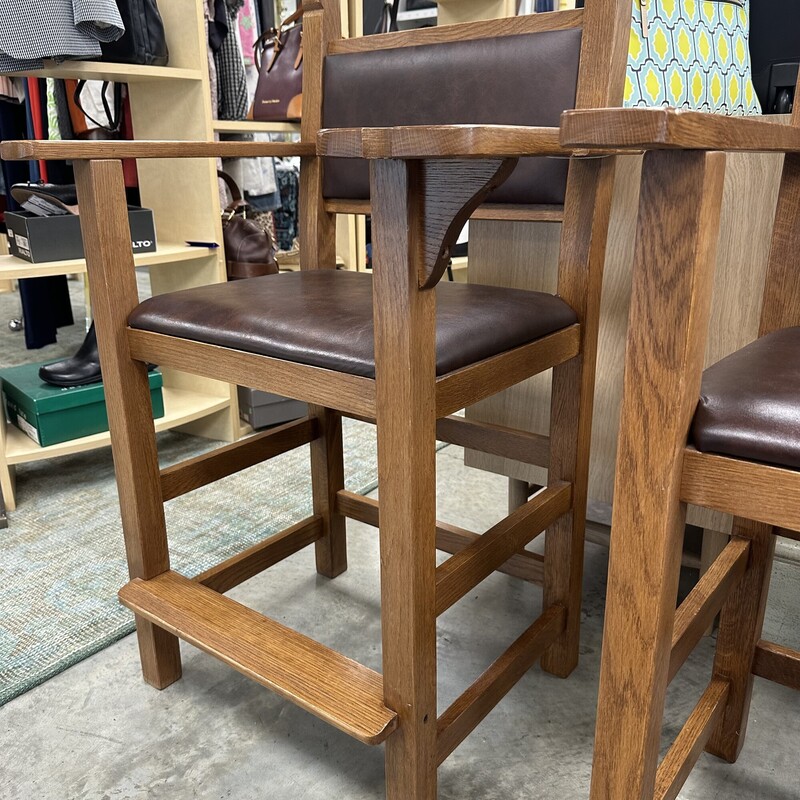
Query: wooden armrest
pixel 670 128
pixel 441 141
pixel 77 150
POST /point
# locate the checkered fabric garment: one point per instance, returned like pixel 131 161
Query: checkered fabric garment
pixel 31 30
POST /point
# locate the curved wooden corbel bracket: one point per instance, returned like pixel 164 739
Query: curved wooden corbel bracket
pixel 446 193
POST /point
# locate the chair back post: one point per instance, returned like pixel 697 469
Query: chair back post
pixel 584 234
pixel 317 227
pixel 780 306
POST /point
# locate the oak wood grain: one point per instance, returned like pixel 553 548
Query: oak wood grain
pixel 781 300
pixel 464 571
pixel 531 448
pixel 580 278
pixel 675 253
pixel 778 664
pixel 405 370
pixel 441 141
pixel 466 386
pixel 740 627
pixel 467 711
pixel 449 538
pixel 327 478
pixel 337 689
pixel 109 261
pixel 688 747
pixel 745 489
pixel 79 150
pixel 448 192
pixel 563 20
pixel 705 600
pixel 311 384
pixel 223 461
pixel 670 128
pixel 256 559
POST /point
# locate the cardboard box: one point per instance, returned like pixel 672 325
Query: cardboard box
pixel 40 239
pixel 51 415
pixel 262 409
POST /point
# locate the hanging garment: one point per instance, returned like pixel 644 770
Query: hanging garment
pixel 230 68
pixel 35 29
pixel 11 89
pixel 248 31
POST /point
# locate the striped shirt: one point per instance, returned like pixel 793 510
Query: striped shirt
pixel 31 30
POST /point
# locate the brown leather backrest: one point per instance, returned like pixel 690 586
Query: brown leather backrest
pixel 524 79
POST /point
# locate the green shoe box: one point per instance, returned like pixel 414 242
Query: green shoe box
pixel 51 415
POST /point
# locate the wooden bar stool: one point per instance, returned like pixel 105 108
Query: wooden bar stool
pixel 736 451
pixel 422 355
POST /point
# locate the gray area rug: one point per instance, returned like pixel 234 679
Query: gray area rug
pixel 62 558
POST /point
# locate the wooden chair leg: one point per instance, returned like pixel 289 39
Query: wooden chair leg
pixel 327 478
pixel 740 626
pixel 107 242
pixel 580 277
pixel 564 541
pixel 406 428
pixel 713 544
pixel 675 253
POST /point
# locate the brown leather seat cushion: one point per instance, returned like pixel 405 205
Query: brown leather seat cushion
pixel 324 318
pixel 750 402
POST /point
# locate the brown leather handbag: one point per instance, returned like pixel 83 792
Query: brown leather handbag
pixel 279 58
pixel 249 250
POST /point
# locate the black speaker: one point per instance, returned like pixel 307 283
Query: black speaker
pixel 775 52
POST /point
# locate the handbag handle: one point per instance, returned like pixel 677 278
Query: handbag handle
pixel 236 193
pixel 274 35
pixel 115 118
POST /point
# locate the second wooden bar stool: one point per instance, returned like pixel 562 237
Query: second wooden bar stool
pixel 736 451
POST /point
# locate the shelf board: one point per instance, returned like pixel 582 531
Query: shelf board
pixel 180 407
pixel 106 71
pixel 12 268
pixel 251 126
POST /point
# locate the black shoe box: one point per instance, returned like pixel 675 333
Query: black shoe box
pixel 38 239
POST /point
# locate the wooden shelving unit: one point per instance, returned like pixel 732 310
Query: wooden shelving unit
pixel 123 73
pixel 13 268
pixel 171 102
pixel 180 407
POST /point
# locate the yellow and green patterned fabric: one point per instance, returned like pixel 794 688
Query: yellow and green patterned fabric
pixel 691 54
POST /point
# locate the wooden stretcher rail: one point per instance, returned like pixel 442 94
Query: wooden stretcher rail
pixel 261 556
pixel 230 459
pixel 705 600
pixel 464 715
pixel 778 664
pixel 465 570
pixel 449 538
pixel 691 741
pixel 497 440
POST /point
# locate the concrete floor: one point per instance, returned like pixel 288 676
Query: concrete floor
pixel 97 731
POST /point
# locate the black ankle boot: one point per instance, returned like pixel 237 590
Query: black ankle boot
pixel 78 370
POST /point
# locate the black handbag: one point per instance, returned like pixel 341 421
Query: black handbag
pixel 144 40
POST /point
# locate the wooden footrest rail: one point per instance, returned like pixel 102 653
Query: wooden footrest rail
pixel 449 538
pixel 778 664
pixel 691 741
pixel 331 686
